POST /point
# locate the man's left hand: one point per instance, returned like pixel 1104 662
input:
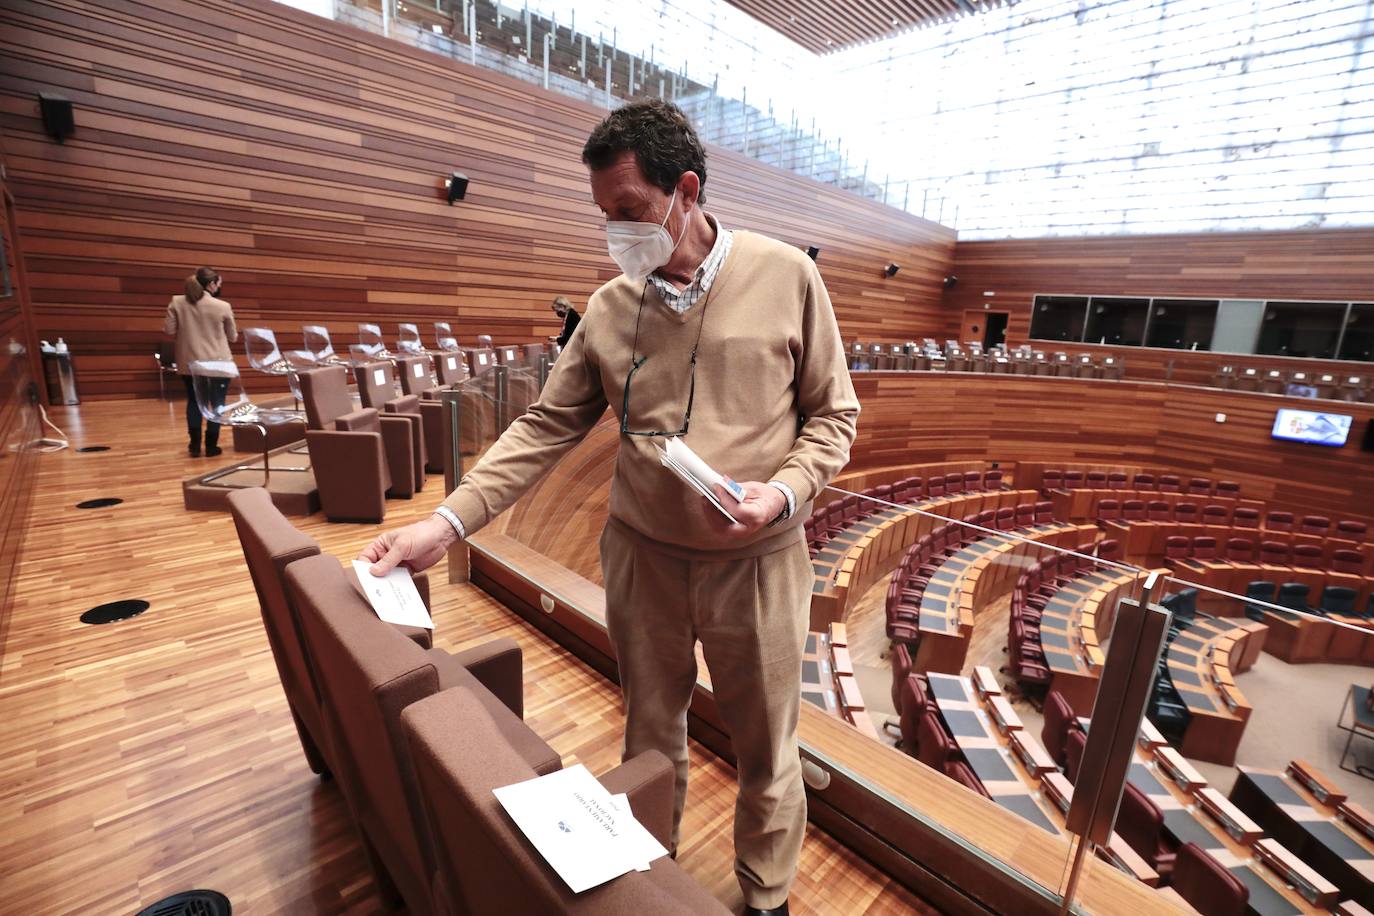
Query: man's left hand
pixel 762 503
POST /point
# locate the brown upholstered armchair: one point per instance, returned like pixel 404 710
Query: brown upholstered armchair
pixel 377 389
pixel 271 543
pixel 485 864
pixel 416 382
pixel 366 674
pixel 353 452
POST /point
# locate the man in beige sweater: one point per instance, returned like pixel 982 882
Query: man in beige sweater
pixel 727 339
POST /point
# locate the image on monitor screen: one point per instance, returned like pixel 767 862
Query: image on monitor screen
pixel 1311 426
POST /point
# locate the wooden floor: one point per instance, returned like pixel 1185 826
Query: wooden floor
pixel 156 755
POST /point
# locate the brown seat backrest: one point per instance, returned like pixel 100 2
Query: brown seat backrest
pixel 480 360
pixel 270 543
pixel 326 397
pixel 1207 885
pixel 1139 822
pixel 366 673
pixel 485 863
pixel 414 373
pixel 375 384
pixel 450 367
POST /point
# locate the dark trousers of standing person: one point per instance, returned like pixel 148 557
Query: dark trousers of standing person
pixel 217 387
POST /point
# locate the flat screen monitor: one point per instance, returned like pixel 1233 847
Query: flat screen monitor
pixel 1311 426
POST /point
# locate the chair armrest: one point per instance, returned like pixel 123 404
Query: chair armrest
pixel 364 419
pixel 406 403
pixel 650 782
pixel 498 665
pixel 531 748
pixel 400 454
pixel 418 635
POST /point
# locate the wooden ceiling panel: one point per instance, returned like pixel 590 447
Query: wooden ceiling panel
pixel 823 26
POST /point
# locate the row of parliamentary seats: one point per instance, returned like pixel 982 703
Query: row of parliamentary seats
pixel 1203 847
pixel 382 445
pixel 928 356
pixel 417 739
pixel 1353 388
pixel 923 559
pixel 1061 615
pixel 828 521
pixel 1030 660
pixel 1231 567
pixel 1334 625
pixel 1144 481
pixel 1315 545
pixel 965 728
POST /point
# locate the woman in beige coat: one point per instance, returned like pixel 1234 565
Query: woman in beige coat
pixel 203 326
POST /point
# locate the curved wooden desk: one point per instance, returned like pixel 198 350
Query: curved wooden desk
pixel 1075 623
pixel 971 580
pixel 869 550
pixel 1203 661
pixel 1295 638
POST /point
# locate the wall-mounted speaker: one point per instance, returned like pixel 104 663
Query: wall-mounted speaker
pixel 812 252
pixel 891 270
pixel 57 116
pixel 457 185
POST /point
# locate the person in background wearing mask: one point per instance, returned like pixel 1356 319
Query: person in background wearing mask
pixel 727 339
pixel 203 326
pixel 564 310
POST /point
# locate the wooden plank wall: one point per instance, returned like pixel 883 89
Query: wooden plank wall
pixel 305 159
pixel 1319 265
pixel 19 423
pixel 910 418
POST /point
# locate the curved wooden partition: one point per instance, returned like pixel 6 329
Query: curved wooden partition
pixel 912 418
pixel 951 846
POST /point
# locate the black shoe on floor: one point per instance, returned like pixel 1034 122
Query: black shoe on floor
pixel 213 451
pixel 193 450
pixel 779 910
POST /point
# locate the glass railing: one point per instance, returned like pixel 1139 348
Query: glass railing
pixel 591 67
pixel 960 634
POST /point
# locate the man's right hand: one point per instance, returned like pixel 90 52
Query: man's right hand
pixel 417 546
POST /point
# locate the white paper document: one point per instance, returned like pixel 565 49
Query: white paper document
pixel 578 827
pixel 697 474
pixel 622 801
pixel 393 596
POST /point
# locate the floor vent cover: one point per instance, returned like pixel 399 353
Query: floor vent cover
pixel 101 503
pixel 116 610
pixel 190 903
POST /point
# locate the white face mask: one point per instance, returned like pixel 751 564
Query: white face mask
pixel 641 248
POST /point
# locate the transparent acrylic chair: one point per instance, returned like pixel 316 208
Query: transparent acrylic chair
pixel 409 343
pixel 443 337
pixel 221 399
pixel 319 347
pixel 370 342
pixel 166 365
pixel 260 345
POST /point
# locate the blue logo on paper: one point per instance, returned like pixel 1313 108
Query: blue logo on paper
pixel 564 827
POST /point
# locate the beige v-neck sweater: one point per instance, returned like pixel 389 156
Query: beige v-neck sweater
pixel 774 400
